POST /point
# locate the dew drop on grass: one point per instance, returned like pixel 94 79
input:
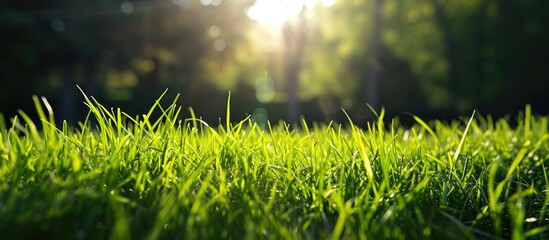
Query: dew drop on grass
pixel 530 220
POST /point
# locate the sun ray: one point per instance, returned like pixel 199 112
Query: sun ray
pixel 274 13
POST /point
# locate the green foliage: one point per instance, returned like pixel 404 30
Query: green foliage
pixel 123 176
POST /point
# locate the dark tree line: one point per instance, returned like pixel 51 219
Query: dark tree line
pixel 430 57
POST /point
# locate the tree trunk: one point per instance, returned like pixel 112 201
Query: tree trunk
pixel 294 38
pixel 374 77
pixel 508 53
pixel 450 51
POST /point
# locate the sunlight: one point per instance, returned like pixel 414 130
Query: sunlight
pixel 273 13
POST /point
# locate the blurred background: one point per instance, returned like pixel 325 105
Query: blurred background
pixel 281 59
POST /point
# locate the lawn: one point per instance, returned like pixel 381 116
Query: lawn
pixel 120 176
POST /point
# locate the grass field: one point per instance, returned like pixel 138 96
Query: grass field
pixel 119 176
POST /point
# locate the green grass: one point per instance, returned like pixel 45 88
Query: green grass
pixel 120 176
